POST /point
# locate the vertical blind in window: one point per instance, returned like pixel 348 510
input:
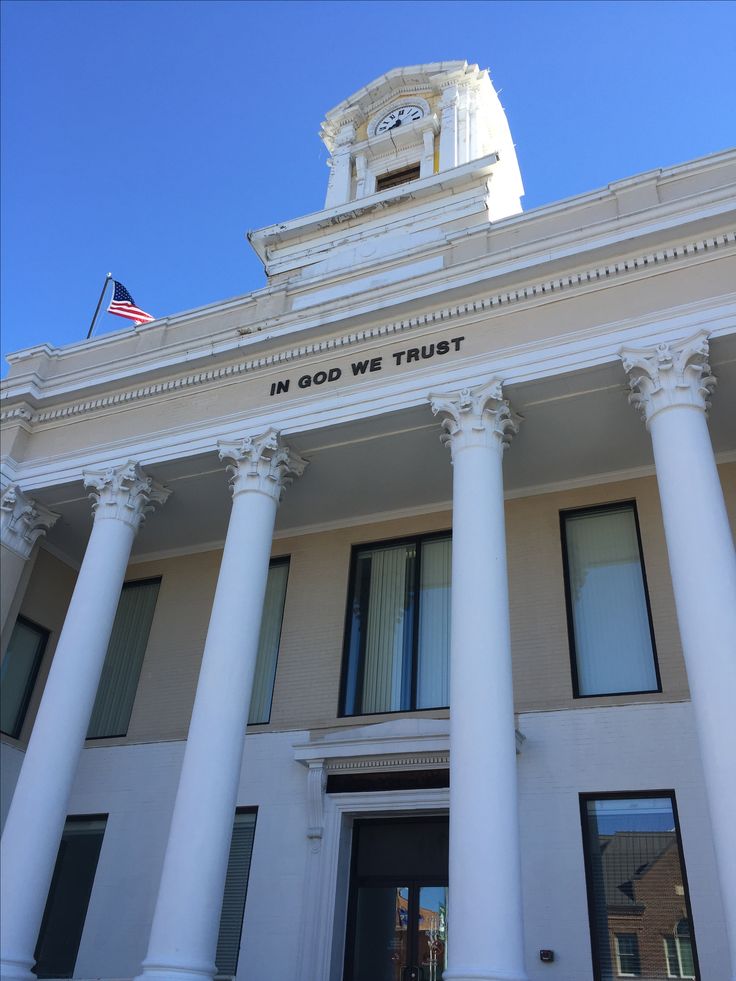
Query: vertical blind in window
pixel 397 650
pixel 236 887
pixel 433 681
pixel 68 898
pixel 608 603
pixel 18 674
pixel 268 644
pixel 122 668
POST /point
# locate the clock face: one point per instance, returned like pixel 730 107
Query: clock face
pixel 401 116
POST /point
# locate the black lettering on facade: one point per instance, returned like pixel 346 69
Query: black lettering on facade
pixel 443 347
pixel 359 367
pixel 412 355
pixel 457 341
pixel 376 364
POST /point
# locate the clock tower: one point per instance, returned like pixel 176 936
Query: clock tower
pixel 413 123
pixel 417 158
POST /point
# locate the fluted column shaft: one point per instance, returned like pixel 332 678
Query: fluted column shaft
pixel 185 926
pixel 485 933
pixel 38 810
pixel 671 385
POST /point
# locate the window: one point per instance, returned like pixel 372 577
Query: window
pixel 19 672
pixel 398 627
pixel 68 899
pixel 627 955
pixel 236 887
pixel 396 177
pixel 678 951
pixel 124 659
pixel 268 644
pixel 608 616
pixel 636 887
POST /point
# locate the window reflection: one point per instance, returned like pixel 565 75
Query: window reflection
pixel 639 908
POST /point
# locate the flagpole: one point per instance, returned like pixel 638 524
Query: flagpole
pixel 99 304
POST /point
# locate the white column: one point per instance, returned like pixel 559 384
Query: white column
pixel 671 384
pixel 338 187
pixel 22 522
pixel 485 936
pixel 426 164
pixel 38 810
pixel 186 920
pixel 448 128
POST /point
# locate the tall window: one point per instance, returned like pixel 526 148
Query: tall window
pixel 68 899
pixel 18 674
pixel 398 630
pixel 236 887
pixel 640 919
pixel 609 621
pixel 124 659
pixel 268 645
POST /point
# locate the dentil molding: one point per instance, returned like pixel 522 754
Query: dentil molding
pixel 534 291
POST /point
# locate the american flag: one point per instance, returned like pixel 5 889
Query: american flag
pixel 122 304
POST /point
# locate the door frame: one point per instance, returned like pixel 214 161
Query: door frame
pixel 414 883
pixel 327 879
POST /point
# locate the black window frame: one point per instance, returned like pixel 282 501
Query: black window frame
pixel 44 633
pixel 70 819
pixel 584 799
pixel 276 560
pixel 397 178
pixel 417 541
pixel 594 509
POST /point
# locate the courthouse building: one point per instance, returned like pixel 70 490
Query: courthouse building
pixel 381 622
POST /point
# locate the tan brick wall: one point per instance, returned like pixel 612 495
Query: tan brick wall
pixel 308 675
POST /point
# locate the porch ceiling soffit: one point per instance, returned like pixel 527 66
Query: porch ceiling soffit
pixel 25 400
pixel 551 253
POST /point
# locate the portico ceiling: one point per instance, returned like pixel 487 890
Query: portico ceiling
pixel 575 426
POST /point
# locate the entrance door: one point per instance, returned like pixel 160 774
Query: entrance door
pixel 397 920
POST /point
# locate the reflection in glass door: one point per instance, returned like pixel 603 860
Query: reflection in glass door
pixel 431 957
pixel 397 929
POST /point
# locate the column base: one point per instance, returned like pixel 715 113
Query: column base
pixel 16 970
pixel 481 974
pixel 177 972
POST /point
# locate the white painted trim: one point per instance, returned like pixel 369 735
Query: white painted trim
pixel 583 349
pixel 322 946
pixel 621 229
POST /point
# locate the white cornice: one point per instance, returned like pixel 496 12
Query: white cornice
pixel 544 290
pixel 260 334
pixel 520 363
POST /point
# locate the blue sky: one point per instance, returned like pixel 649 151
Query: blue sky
pixel 145 138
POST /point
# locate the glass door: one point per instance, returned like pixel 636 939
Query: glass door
pixel 397 920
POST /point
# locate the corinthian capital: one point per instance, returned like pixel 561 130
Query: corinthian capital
pixel 476 417
pixel 125 493
pixel 23 521
pixel 669 375
pixel 261 463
